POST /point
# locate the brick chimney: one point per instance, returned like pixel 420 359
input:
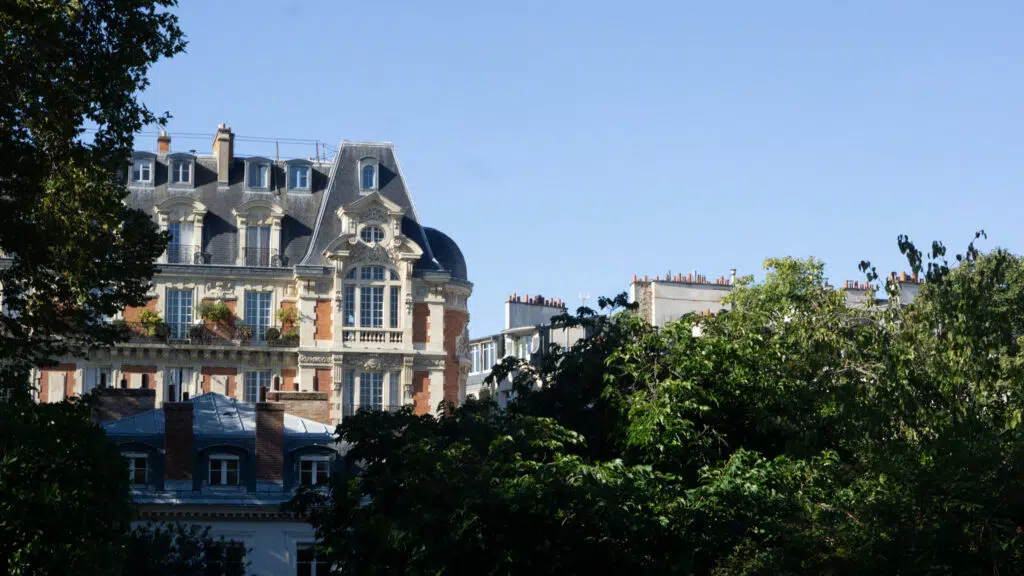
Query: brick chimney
pixel 178 456
pixel 269 446
pixel 224 150
pixel 163 143
pixel 309 405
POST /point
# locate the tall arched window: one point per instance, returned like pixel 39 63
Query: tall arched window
pixel 369 177
pixel 372 298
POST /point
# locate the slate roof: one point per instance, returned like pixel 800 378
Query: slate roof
pixel 216 415
pixel 309 224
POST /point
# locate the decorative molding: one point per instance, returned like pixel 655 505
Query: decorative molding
pixel 374 362
pixel 308 359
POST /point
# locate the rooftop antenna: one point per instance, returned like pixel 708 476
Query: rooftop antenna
pixel 584 296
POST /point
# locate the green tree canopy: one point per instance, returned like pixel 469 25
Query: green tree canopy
pixel 792 434
pixel 74 250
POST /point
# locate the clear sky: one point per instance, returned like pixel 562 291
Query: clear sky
pixel 566 145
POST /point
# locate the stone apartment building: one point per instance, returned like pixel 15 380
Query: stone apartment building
pixel 664 299
pixel 294 276
pixel 528 333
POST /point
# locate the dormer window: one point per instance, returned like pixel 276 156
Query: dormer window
pixel 314 470
pixel 257 174
pixel 136 468
pixel 223 470
pixel 182 167
pixel 298 177
pixel 142 171
pixel 367 175
pixel 372 234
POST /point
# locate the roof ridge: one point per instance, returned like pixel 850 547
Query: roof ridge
pixel 328 190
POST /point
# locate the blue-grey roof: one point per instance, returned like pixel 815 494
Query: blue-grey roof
pixel 447 253
pixel 216 415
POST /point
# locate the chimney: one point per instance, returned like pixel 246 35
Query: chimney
pixel 309 405
pixel 224 150
pixel 163 143
pixel 178 457
pixel 269 446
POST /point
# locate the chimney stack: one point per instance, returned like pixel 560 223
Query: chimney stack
pixel 269 446
pixel 163 143
pixel 178 458
pixel 224 150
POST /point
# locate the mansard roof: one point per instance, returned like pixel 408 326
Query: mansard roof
pixel 220 416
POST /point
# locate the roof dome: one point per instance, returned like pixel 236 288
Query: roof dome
pixel 447 253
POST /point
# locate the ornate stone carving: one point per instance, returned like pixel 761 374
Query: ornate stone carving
pixel 374 215
pixel 374 362
pixel 220 290
pixel 315 359
pixel 462 345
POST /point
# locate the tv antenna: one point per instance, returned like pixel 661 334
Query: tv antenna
pixel 584 296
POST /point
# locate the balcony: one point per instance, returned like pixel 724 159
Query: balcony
pixel 371 336
pixel 184 254
pixel 209 334
pixel 261 257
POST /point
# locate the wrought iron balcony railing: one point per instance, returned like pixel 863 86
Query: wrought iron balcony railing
pixel 210 334
pixel 261 257
pixel 184 254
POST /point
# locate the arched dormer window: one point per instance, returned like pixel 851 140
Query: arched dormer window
pixel 183 217
pixel 259 232
pixel 372 298
pixel 368 175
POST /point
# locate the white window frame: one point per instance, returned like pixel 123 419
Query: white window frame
pixel 294 186
pixel 223 470
pixel 131 456
pixel 265 165
pixel 317 460
pixel 357 280
pixel 375 185
pixel 377 234
pixel 150 166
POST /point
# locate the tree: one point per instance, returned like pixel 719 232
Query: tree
pixel 174 549
pixel 75 252
pixel 790 434
pixel 65 506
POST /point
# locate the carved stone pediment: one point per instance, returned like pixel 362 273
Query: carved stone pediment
pixel 374 362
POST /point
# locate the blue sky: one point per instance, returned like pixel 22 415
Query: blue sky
pixel 568 145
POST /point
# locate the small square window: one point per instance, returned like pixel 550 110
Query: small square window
pixel 136 469
pixel 298 177
pixel 223 471
pixel 313 471
pixel 309 563
pixel 142 172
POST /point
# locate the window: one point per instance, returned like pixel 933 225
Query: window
pixel 136 468
pixel 371 306
pixel 348 393
pixel 223 470
pixel 524 347
pixel 309 563
pixel 181 172
pixel 313 470
pixel 486 356
pixel 393 319
pixel 257 246
pixel 180 249
pixel 371 390
pixel 96 377
pixel 177 383
pixel 298 177
pixel 179 313
pixel 225 559
pixel 142 172
pixel 257 313
pixel 394 390
pixel 371 273
pixel 258 175
pixel 350 306
pixel 369 177
pixel 372 234
pixel 253 382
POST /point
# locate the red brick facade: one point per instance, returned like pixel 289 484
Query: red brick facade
pixel 288 380
pixel 454 323
pixel 310 405
pixel 270 441
pixel 58 371
pixel 421 392
pixel 420 323
pixel 323 380
pixel 230 372
pixel 323 322
pixel 131 313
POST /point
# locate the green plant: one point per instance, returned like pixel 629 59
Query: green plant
pixel 272 334
pixel 290 336
pixel 197 331
pixel 160 330
pixel 244 332
pixel 287 316
pixel 217 312
pixel 149 318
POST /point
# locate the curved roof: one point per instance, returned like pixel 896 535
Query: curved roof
pixel 447 253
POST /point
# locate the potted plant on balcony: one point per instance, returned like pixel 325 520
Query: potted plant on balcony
pixel 244 333
pixel 122 329
pixel 288 317
pixel 153 325
pixel 197 332
pixel 290 337
pixel 272 334
pixel 216 312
